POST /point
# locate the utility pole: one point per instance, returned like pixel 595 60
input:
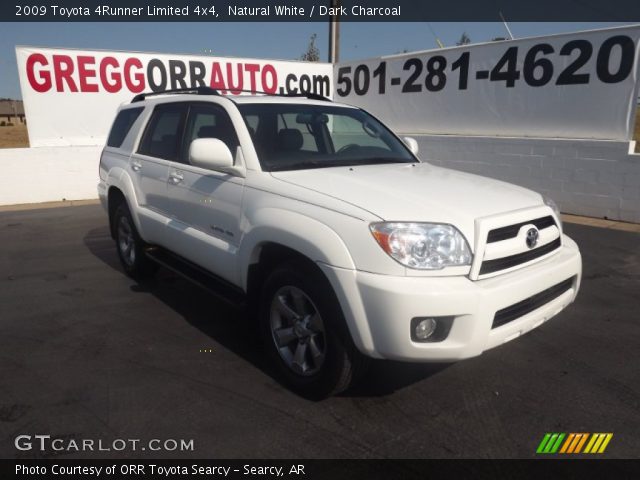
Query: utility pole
pixel 334 32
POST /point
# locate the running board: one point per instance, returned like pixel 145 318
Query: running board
pixel 204 279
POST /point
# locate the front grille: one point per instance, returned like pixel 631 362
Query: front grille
pixel 530 304
pixel 490 266
pixel 511 231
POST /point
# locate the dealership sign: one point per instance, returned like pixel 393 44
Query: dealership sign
pixel 71 96
pixel 580 85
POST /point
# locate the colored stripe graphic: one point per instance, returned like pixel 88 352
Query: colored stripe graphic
pixel 605 443
pixel 567 442
pixel 556 445
pixel 581 443
pixel 543 443
pixel 550 443
pixel 598 442
pixel 573 443
pixel 576 438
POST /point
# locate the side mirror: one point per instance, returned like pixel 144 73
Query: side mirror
pixel 412 144
pixel 210 153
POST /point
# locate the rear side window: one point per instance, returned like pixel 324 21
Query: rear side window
pixel 162 137
pixel 122 125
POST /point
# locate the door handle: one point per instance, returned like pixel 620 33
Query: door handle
pixel 176 177
pixel 136 166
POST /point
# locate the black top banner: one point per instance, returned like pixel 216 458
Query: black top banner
pixel 319 10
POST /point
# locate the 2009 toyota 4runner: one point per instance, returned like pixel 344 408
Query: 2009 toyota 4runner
pixel 328 224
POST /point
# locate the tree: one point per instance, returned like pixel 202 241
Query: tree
pixel 464 39
pixel 313 53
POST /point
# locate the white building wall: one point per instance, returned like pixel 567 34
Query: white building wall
pixel 592 178
pixel 47 174
pixel 585 177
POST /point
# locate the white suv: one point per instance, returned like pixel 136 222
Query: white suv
pixel 343 243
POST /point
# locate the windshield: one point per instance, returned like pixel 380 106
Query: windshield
pixel 295 137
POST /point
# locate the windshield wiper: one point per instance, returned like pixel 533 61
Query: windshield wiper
pixel 378 160
pixel 309 164
pixel 297 166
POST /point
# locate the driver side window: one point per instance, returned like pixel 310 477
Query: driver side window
pixel 208 121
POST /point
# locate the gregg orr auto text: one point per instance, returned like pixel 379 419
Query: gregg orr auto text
pixel 112 74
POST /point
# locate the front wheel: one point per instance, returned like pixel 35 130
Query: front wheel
pixel 305 333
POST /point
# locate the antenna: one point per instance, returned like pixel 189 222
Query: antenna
pixel 440 44
pixel 506 26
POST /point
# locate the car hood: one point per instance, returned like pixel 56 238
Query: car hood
pixel 416 192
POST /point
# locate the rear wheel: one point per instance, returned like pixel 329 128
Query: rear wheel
pixel 130 246
pixel 305 333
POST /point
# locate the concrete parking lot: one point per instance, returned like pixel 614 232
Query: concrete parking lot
pixel 87 353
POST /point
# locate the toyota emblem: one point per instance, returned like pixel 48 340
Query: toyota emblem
pixel 532 237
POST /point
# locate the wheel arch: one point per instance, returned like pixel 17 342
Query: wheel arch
pixel 266 257
pixel 120 188
pixel 276 233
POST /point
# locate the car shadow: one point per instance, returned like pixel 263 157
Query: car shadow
pixel 236 331
pixel 385 377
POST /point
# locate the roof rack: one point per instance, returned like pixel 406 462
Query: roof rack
pixel 310 96
pixel 211 91
pixel 197 90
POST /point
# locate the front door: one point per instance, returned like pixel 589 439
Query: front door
pixel 205 204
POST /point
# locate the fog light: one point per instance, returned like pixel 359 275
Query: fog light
pixel 425 328
pixel 430 329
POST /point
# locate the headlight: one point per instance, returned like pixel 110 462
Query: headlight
pixel 424 246
pixel 550 203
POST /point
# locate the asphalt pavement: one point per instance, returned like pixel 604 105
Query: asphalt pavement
pixel 87 353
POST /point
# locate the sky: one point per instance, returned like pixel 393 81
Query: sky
pixel 285 41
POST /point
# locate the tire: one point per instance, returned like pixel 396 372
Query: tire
pixel 130 246
pixel 305 333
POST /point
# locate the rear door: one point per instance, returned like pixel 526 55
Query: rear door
pixel 158 148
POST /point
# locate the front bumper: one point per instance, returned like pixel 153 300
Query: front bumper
pixel 379 308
